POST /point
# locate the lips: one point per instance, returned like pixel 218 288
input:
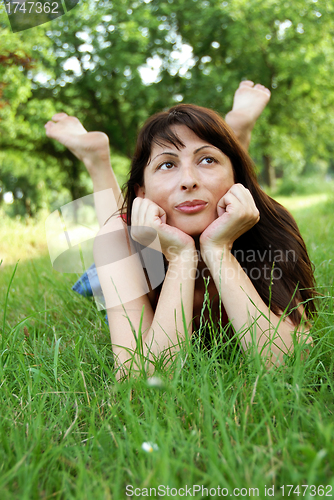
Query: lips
pixel 192 203
pixel 192 207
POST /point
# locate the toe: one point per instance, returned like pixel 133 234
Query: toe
pixel 59 116
pixel 263 88
pixel 246 83
pixel 48 128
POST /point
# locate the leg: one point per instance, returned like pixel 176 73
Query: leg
pixel 248 103
pixel 92 148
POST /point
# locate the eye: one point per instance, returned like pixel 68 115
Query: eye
pixel 167 164
pixel 209 160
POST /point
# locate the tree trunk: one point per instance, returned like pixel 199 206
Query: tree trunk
pixel 268 172
pixel 27 204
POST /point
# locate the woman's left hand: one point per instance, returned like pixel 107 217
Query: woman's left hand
pixel 237 213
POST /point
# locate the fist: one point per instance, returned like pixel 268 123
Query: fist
pixel 149 220
pixel 237 213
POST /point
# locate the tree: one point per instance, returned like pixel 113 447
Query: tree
pixel 107 93
pixel 22 169
pixel 286 46
pixel 88 63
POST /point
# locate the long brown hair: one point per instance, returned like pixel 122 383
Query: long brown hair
pixel 274 247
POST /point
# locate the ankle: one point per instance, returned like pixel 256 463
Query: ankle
pixel 240 122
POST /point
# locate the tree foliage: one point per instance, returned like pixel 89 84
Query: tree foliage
pixel 89 63
pixel 285 46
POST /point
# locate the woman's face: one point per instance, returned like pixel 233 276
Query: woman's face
pixel 187 183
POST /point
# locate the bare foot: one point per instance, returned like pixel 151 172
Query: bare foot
pixel 248 103
pixel 92 148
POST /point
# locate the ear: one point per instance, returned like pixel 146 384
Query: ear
pixel 139 191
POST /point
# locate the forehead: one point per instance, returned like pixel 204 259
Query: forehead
pixel 184 134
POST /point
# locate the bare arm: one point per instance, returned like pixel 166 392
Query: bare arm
pixel 272 334
pixel 126 293
pixel 244 306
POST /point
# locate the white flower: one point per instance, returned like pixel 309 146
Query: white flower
pixel 149 447
pixel 155 382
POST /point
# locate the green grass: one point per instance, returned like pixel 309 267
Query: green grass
pixel 70 431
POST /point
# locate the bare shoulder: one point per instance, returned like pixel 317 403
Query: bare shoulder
pixel 113 222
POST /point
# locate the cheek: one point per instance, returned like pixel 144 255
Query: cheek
pixel 220 188
pixel 158 195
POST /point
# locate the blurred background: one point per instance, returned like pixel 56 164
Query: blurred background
pixel 113 64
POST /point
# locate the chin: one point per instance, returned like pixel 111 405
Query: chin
pixel 193 225
pixel 194 229
pixel 194 233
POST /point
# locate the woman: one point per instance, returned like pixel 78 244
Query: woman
pixel 194 184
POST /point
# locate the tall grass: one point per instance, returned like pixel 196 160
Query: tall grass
pixel 69 430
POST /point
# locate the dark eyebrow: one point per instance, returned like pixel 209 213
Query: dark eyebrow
pixel 174 154
pixel 207 146
pixel 164 153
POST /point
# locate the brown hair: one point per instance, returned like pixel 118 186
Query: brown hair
pixel 275 235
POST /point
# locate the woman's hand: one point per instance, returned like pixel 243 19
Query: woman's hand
pixel 237 213
pixel 147 219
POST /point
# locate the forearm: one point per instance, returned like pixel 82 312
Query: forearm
pixel 249 315
pixel 173 315
pixel 135 350
pixel 126 291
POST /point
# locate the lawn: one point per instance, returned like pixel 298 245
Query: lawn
pixel 211 422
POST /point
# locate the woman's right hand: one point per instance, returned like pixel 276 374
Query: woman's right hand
pixel 147 219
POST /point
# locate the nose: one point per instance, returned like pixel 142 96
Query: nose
pixel 189 178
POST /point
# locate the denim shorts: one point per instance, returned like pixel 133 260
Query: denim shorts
pixel 88 285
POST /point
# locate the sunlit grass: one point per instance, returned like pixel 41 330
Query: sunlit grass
pixel 68 430
pixel 22 239
pixel 303 201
